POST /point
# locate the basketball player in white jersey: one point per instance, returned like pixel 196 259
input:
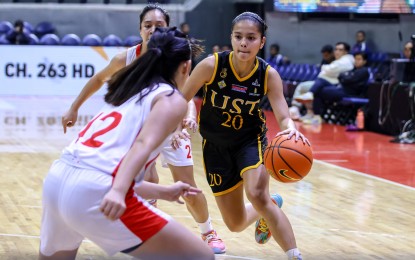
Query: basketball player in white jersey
pixel 88 192
pixel 179 161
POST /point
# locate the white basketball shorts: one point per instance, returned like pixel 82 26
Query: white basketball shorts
pixel 71 201
pixel 179 157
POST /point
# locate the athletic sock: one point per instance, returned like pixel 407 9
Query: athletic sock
pixel 206 226
pixel 294 254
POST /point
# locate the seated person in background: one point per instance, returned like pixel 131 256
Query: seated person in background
pixel 215 48
pixel 18 36
pixel 276 59
pixel 361 44
pixel 327 56
pixel 352 84
pixel 226 47
pixel 328 77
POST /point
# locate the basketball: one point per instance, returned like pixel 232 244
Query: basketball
pixel 287 160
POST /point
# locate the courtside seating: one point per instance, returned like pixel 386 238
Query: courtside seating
pixel 92 40
pixel 44 28
pixel 28 27
pixel 112 40
pixel 34 40
pixel 3 40
pixel 5 27
pixel 49 39
pixel 132 40
pixel 71 39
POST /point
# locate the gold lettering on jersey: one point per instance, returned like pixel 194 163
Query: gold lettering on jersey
pixel 223 73
pixel 215 179
pixel 236 122
pixel 235 105
pixel 225 101
pixel 252 103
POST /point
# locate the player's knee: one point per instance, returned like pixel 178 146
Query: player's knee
pixel 257 197
pixel 236 225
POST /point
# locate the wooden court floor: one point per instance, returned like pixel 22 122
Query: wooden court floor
pixel 336 213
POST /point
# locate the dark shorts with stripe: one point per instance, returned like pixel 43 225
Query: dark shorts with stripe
pixel 224 165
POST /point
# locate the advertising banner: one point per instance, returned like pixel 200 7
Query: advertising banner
pixel 51 70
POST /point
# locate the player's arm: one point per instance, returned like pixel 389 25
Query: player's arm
pixel 280 107
pixel 190 120
pixel 158 125
pixel 92 86
pixel 149 190
pixel 200 75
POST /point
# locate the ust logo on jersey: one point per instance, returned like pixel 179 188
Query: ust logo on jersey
pixel 215 179
pixel 221 84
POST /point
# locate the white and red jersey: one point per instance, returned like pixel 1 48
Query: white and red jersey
pixel 106 139
pixel 132 54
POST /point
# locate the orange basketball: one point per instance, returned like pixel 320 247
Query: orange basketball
pixel 287 160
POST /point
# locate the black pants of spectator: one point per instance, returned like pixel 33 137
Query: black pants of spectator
pixel 325 92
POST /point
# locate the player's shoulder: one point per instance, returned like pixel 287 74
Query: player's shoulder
pixel 170 97
pixel 120 59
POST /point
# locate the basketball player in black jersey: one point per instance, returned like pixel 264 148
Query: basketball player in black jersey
pixel 233 129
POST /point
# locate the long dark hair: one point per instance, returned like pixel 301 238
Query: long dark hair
pixel 167 48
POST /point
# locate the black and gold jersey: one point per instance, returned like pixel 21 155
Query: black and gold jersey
pixel 230 111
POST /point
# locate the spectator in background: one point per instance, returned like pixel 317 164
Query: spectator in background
pixel 361 44
pixel 327 77
pixel 407 50
pixel 18 36
pixel 185 28
pixel 327 57
pixel 215 48
pixel 327 54
pixel 276 59
pixel 226 47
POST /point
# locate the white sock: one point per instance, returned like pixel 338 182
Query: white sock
pixel 206 226
pixel 294 253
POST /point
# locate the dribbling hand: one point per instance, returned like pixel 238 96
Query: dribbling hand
pixel 294 132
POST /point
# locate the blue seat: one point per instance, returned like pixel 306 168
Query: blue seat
pixel 34 40
pixel 3 40
pixel 28 27
pixel 354 101
pixel 5 27
pixel 132 40
pixel 71 39
pixel 49 39
pixel 92 40
pixel 112 40
pixel 44 28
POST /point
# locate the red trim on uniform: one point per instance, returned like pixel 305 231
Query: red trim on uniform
pixel 138 51
pixel 140 219
pixel 150 162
